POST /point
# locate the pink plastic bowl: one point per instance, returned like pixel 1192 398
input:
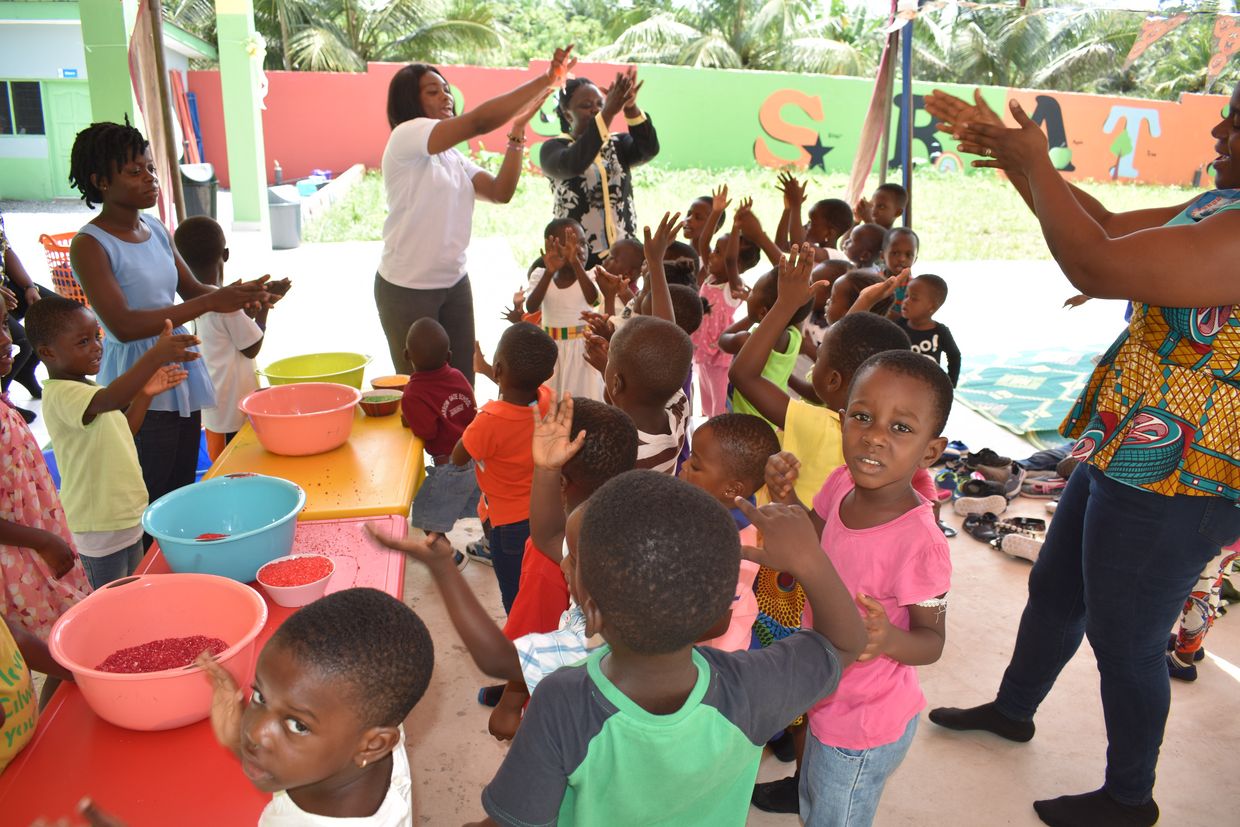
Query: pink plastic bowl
pixel 136 610
pixel 302 419
pixel 292 597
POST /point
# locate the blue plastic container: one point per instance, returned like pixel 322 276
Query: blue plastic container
pixel 258 513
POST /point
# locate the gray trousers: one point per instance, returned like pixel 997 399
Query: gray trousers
pixel 452 307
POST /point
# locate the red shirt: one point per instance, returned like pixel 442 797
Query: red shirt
pixel 438 405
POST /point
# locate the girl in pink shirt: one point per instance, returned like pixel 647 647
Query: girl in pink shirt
pixel 882 537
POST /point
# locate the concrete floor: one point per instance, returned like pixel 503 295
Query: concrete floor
pixel 995 307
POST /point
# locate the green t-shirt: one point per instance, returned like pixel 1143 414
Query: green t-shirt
pixel 585 754
pixel 779 366
pixel 101 485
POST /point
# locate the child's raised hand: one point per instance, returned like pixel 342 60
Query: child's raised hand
pixel 552 447
pixel 877 627
pixel 782 471
pixel 793 190
pixel 170 348
pixel 241 295
pixel 596 351
pixel 657 243
pixel 555 255
pixel 166 378
pixel 608 283
pixel 863 212
pixel 719 199
pixel 599 324
pixel 744 212
pixel 794 272
pixel 788 535
pixel 227 702
pixel 431 550
pixel 875 293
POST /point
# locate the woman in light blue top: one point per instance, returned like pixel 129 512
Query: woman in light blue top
pixel 132 276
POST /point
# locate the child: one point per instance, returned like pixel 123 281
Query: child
pixel 648 362
pixel 684 723
pixel 865 244
pixel 40 574
pixel 704 218
pixel 230 341
pixel 322 729
pixel 845 291
pixel 900 249
pixel 822 278
pixel 782 357
pixel 20 651
pixel 926 294
pixel 438 405
pixel 881 536
pixel 886 205
pixel 498 441
pixel 92 428
pixel 829 219
pixel 562 290
pixel 578 446
pixel 720 286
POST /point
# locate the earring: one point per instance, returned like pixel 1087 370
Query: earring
pixel 363 763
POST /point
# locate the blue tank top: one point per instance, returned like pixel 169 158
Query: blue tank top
pixel 147 275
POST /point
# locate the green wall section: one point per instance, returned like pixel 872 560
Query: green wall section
pixel 106 26
pixel 243 120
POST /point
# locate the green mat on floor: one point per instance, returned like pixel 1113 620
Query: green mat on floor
pixel 1027 393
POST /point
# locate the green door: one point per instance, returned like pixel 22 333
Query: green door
pixel 66 107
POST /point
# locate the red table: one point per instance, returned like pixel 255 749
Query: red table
pixel 179 776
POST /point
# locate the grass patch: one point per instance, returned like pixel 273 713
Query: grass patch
pixel 958 219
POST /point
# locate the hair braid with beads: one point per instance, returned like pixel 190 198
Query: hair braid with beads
pixel 99 151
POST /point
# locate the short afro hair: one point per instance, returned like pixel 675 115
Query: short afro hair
pixel 99 151
pixel 858 280
pixel 709 201
pixel 688 307
pixel 748 255
pixel 662 580
pixel 529 355
pixel 556 226
pixel 915 366
pixel 837 213
pixel 404 100
pixel 200 241
pixel 899 193
pixel 937 285
pixel 858 336
pixel 654 357
pixel 767 290
pixel 427 344
pixel 610 447
pixel 896 232
pixel 375 646
pixel 746 442
pixel 48 318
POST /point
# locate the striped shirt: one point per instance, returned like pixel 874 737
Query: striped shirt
pixel 658 452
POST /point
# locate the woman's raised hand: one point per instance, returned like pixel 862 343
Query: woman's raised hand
pixel 1012 150
pixel 562 62
pixel 950 112
pixel 616 95
pixel 630 100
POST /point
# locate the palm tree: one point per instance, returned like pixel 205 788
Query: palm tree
pixel 752 34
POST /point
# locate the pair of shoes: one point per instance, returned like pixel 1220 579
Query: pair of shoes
pixel 480 551
pixel 460 559
pixel 1007 488
pixel 981 527
pixel 993 504
pixel 782 796
pixel 947 530
pixel 1021 545
pixel 1198 656
pixel 783 747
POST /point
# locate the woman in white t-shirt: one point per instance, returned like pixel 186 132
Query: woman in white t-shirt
pixel 431 189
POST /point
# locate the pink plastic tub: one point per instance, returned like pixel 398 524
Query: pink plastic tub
pixel 135 610
pixel 302 419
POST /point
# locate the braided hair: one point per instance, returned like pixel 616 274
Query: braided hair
pixel 566 95
pixel 99 151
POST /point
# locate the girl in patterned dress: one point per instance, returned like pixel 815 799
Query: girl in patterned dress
pixel 721 288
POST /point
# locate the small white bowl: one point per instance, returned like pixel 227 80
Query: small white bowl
pixel 292 597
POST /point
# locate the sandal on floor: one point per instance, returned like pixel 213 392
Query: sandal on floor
pixel 1021 525
pixel 981 527
pixel 947 530
pixel 981 488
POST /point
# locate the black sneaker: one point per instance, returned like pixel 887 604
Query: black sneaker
pixel 987 458
pixel 783 747
pixel 780 796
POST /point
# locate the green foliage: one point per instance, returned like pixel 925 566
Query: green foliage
pixel 983 220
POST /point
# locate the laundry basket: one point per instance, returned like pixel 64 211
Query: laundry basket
pixel 56 247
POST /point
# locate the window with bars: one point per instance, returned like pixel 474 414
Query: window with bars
pixel 21 108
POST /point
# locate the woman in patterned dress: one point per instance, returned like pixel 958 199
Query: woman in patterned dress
pixel 589 166
pixel 1158 434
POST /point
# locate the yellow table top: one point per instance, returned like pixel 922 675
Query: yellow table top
pixel 375 473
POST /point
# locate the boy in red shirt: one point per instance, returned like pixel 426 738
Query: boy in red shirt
pixel 499 440
pixel 438 404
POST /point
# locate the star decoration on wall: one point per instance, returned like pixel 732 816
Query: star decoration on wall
pixel 817 153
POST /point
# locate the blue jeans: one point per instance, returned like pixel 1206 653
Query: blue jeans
pixel 449 493
pixel 103 570
pixel 1117 564
pixel 507 552
pixel 841 787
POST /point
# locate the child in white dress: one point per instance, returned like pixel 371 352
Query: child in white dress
pixel 562 290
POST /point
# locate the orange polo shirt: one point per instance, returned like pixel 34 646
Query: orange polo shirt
pixel 499 440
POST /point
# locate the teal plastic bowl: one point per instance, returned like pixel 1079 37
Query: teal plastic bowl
pixel 257 513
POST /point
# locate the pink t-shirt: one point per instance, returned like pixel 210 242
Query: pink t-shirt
pixel 898 563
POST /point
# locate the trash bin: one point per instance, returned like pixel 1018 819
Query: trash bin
pixel 284 204
pixel 200 186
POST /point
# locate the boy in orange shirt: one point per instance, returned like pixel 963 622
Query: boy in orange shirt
pixel 499 442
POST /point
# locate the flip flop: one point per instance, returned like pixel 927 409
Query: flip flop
pixel 947 530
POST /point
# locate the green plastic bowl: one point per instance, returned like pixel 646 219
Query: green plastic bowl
pixel 339 368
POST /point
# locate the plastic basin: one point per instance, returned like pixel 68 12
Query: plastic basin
pixel 258 513
pixel 292 597
pixel 135 610
pixel 395 382
pixel 302 419
pixel 380 403
pixel 340 368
